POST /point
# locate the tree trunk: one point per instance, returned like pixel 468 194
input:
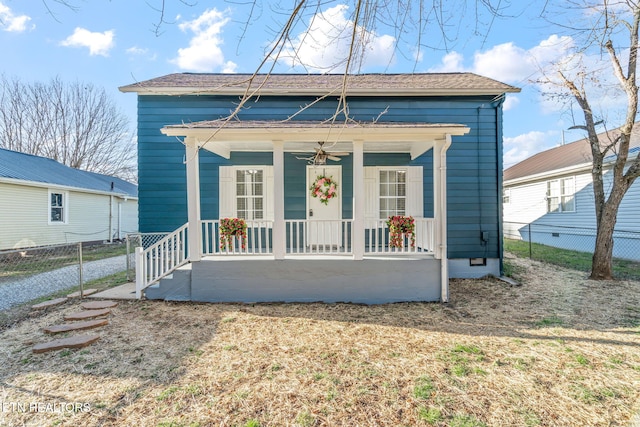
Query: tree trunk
pixel 601 267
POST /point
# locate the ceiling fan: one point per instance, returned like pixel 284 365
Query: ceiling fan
pixel 321 156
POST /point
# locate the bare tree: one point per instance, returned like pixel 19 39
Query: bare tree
pixel 76 124
pixel 610 29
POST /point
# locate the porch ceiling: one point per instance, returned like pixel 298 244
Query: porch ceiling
pixel 222 137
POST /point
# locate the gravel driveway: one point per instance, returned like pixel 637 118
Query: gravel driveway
pixel 43 284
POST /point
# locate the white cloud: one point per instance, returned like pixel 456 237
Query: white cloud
pixel 230 67
pixel 13 23
pixel 136 51
pixel 510 102
pixel 324 45
pixel 522 146
pixel 510 63
pixel 452 62
pixel 204 53
pixel 98 43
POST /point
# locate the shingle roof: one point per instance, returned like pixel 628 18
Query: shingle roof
pixel 572 154
pixel 291 84
pixel 27 167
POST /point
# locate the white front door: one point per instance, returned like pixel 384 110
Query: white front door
pixel 324 220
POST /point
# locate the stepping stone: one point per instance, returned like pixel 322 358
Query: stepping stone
pixel 78 341
pixel 77 326
pixel 96 305
pixel 49 303
pixel 89 314
pixel 85 293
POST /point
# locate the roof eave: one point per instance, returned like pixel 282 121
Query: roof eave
pixel 174 91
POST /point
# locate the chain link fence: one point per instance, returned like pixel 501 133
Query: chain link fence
pixel 134 240
pixel 29 273
pixel 626 243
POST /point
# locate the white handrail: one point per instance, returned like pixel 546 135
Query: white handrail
pixel 319 236
pixel 259 239
pixel 161 259
pixel 377 238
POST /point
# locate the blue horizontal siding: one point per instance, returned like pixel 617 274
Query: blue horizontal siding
pixel 473 160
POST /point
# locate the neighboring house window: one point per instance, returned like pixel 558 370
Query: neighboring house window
pixel 561 195
pixel 506 195
pixel 57 207
pixel 250 194
pixel 393 192
pixel 246 192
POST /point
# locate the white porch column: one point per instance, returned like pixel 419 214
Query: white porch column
pixel 279 231
pixel 357 234
pixel 440 210
pixel 193 198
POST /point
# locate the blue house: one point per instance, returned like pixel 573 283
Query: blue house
pixel 268 192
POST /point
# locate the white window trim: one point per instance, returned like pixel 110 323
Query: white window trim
pixel 561 195
pixel 65 207
pixel 227 192
pixel 414 205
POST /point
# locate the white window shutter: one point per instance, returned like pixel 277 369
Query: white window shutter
pixel 227 196
pixel 415 202
pixel 268 193
pixel 371 194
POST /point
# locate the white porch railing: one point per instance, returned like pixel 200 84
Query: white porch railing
pixel 302 237
pixel 161 259
pixel 319 236
pixel 377 238
pixel 259 239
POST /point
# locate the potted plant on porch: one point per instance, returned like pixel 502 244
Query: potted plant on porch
pixel 230 229
pixel 401 226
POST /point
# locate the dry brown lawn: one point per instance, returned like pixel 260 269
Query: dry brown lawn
pixel 559 350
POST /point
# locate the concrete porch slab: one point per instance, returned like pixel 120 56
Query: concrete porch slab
pixel 126 291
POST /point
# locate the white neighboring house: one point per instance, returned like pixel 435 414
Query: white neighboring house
pixel 548 198
pixel 46 202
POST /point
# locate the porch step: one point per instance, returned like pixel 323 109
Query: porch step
pixel 77 326
pixel 98 305
pixel 77 341
pixel 175 287
pixel 89 314
pixel 49 303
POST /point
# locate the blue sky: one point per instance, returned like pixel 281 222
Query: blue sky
pixel 114 43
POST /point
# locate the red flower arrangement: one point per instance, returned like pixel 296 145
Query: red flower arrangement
pixel 324 188
pixel 231 228
pixel 399 228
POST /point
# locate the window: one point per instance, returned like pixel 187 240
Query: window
pixel 561 195
pixel 57 207
pixel 393 192
pixel 250 194
pixel 246 192
pixel 506 196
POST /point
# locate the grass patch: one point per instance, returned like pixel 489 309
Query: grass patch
pixel 549 322
pixel 430 415
pixel 623 269
pixel 424 388
pixel 479 360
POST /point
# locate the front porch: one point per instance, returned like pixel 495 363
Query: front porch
pixel 323 257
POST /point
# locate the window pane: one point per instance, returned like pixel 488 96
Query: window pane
pixel 56 214
pixel 568 204
pixel 567 186
pixel 401 189
pixel 400 207
pixel 56 200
